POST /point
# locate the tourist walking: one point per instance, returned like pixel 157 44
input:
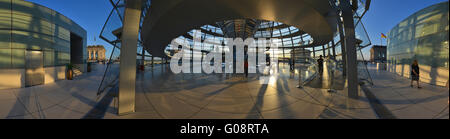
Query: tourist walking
pixel 415 74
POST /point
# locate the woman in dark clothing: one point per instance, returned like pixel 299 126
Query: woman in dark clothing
pixel 415 73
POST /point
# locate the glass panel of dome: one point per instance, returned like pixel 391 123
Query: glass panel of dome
pixel 5 39
pixel 5 18
pixel 297 41
pixel 18 58
pixel 5 58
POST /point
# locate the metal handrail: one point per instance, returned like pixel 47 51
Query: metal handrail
pixel 367 70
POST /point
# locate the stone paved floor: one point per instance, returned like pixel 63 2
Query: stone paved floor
pixel 62 99
pixel 404 102
pixel 163 95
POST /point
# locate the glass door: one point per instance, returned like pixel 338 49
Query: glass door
pixel 34 70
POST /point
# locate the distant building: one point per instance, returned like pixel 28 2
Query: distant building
pixel 96 53
pixel 422 36
pixel 378 54
pixel 36 45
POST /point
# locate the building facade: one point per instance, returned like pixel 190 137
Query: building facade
pixel 36 44
pixel 378 54
pixel 96 53
pixel 424 37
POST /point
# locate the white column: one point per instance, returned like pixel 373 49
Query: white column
pixel 127 77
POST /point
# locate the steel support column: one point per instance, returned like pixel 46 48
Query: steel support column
pixel 343 51
pixel 153 61
pixel 143 58
pixel 328 50
pixel 314 51
pixel 350 47
pixel 127 77
pixel 323 51
pixel 333 46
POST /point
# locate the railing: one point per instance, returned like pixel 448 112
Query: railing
pixel 312 68
pixel 363 71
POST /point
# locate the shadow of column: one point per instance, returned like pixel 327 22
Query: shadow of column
pixel 255 112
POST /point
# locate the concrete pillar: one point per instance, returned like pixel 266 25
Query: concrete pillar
pixel 127 78
pixel 350 47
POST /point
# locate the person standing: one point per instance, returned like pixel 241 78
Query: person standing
pixel 415 74
pixel 320 65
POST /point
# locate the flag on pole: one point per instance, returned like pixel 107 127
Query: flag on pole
pixel 383 36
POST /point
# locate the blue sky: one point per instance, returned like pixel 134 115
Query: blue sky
pixel 382 16
pixel 89 14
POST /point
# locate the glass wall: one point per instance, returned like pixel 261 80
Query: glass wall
pixel 422 36
pixel 27 26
